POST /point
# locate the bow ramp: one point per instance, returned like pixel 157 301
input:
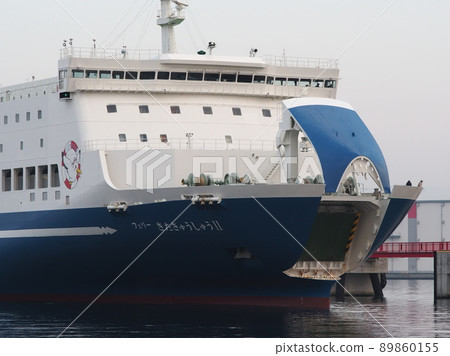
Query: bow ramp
pixel 343 143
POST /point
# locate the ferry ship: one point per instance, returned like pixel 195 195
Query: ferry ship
pixel 157 177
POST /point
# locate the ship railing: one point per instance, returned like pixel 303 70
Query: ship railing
pixel 180 144
pixel 103 53
pixel 153 54
pixel 300 62
pixel 42 86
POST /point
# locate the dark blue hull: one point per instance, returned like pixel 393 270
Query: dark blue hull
pixel 198 259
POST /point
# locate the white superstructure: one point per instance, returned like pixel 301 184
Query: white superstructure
pixel 121 101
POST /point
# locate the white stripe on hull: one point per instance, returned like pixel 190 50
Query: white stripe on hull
pixel 71 231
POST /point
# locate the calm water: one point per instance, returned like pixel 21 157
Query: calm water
pixel 407 311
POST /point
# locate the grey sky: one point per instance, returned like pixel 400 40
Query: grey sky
pixel 395 75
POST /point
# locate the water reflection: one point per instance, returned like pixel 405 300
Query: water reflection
pixel 408 310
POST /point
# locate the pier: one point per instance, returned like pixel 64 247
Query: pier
pixel 417 249
pixel 367 279
pixel 442 275
pixel 370 277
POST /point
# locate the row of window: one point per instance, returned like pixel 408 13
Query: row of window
pixel 142 138
pixel 175 109
pixel 30 178
pixel 17 117
pixel 198 76
pixel 21 145
pixel 7 96
pixel 163 138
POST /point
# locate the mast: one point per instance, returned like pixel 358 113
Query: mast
pixel 169 18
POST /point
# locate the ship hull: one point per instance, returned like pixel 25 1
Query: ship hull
pixel 233 253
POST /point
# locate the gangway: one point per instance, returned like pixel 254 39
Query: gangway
pixel 411 249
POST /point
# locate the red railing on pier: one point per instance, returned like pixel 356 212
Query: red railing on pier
pixel 411 249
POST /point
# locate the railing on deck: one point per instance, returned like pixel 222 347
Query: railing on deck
pixel 300 62
pixel 146 54
pixel 103 53
pixel 180 144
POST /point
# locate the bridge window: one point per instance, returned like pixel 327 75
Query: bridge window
pixel 269 80
pixel 77 73
pixel 229 78
pixel 305 82
pixel 131 75
pixel 237 111
pixel 175 109
pixel 122 137
pixel 111 108
pixel 147 75
pixel 245 78
pixel 330 83
pixel 178 76
pixel 143 137
pixel 318 83
pixel 212 77
pixel 63 74
pixel 280 81
pixel 163 75
pixel 195 76
pixel 6 180
pixel 92 74
pixel 30 177
pixel 293 82
pixel 105 74
pixel 116 74
pixel 207 110
pixel 260 79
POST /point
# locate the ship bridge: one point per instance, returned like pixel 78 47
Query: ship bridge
pixel 124 70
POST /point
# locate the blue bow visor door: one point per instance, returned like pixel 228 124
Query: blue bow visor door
pixel 338 135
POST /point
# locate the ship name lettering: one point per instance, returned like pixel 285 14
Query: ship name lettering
pixel 141 225
pixel 207 225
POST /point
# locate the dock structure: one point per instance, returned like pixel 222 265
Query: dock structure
pixel 367 279
pixel 422 232
pixel 416 251
pixel 442 275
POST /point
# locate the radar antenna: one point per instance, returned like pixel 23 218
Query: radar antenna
pixel 169 18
